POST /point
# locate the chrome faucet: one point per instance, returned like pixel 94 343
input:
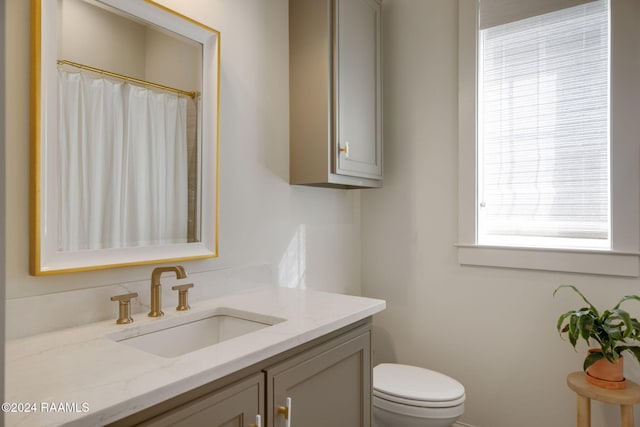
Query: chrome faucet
pixel 156 287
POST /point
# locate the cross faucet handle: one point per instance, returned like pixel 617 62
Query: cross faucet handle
pixel 124 307
pixel 183 295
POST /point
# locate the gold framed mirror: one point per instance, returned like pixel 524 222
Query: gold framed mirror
pixel 124 135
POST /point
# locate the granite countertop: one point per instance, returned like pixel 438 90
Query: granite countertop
pixel 80 377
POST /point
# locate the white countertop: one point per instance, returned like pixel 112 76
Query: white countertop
pixel 97 380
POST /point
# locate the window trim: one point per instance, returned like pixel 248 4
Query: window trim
pixel 624 257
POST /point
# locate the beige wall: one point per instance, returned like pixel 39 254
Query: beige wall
pixel 309 236
pixel 172 62
pixel 93 36
pixel 127 47
pixel 2 193
pixel 493 329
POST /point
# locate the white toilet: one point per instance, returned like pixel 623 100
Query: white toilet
pixel 409 396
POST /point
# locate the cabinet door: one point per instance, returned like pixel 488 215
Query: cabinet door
pixel 358 88
pixel 330 386
pixel 233 406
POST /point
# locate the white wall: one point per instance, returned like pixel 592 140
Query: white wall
pixel 307 237
pixel 493 329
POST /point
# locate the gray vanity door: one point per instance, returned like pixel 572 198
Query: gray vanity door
pixel 358 88
pixel 328 386
pixel 233 406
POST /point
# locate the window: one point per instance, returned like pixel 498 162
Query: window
pixel 543 130
pixel 549 118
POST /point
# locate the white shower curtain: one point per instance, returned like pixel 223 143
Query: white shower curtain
pixel 122 165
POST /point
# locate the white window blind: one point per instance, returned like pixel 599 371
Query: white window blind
pixel 543 130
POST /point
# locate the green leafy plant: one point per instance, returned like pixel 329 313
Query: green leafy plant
pixel 614 330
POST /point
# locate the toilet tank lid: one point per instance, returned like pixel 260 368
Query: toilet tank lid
pixel 414 383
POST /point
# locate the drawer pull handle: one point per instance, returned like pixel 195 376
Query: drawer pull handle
pixel 258 421
pixel 286 411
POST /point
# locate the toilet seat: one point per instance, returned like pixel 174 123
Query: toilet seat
pixel 419 403
pixel 416 387
pixel 448 412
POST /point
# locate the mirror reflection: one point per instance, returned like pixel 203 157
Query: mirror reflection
pixel 127 130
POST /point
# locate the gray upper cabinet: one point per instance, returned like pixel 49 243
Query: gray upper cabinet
pixel 335 93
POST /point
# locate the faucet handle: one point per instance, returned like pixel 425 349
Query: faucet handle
pixel 124 307
pixel 183 295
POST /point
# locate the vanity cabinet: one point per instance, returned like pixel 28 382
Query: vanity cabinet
pixel 335 74
pixel 328 382
pixel 233 406
pixel 329 386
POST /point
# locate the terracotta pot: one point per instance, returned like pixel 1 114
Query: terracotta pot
pixel 606 374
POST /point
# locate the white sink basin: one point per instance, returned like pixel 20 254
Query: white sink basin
pixel 184 334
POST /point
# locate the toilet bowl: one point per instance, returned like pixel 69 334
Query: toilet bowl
pixel 409 396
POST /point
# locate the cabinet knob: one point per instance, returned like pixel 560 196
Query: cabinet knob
pixel 124 307
pixel 345 149
pixel 286 411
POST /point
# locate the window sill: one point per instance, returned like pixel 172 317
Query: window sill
pixel 609 263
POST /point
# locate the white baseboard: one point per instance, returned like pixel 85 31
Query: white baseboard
pixel 459 424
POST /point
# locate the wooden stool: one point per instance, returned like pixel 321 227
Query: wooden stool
pixel 585 391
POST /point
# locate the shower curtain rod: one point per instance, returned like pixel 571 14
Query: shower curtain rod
pixel 126 78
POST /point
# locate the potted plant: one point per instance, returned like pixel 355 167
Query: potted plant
pixel 614 331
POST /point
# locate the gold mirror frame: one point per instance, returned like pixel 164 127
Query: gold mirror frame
pixel 44 258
